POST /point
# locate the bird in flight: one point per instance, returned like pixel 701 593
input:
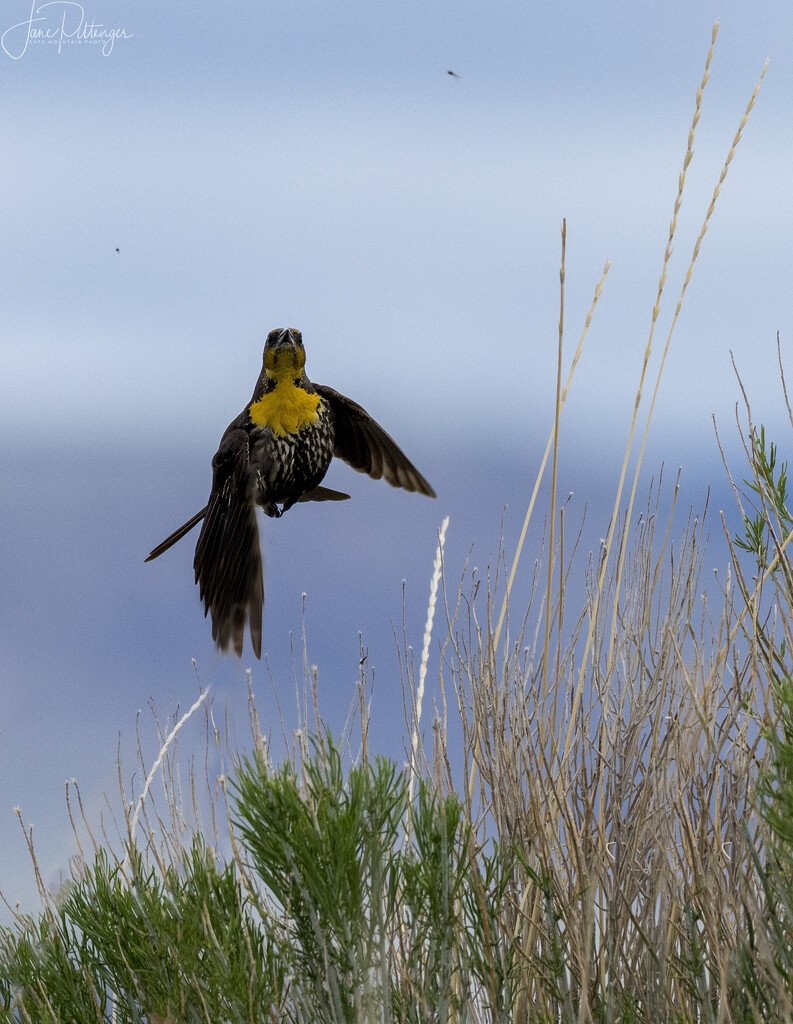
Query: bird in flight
pixel 276 453
pixel 453 74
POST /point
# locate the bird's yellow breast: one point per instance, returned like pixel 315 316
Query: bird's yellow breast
pixel 286 409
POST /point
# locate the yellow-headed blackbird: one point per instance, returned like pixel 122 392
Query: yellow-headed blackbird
pixel 276 452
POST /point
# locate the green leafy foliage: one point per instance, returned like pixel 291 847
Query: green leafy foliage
pixel 143 946
pixel 323 849
pixel 345 904
pixel 772 520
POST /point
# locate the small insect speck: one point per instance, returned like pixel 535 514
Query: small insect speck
pixel 453 74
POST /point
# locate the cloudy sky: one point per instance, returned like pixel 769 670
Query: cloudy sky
pixel 177 182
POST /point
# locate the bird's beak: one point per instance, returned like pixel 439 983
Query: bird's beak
pixel 287 338
pixel 284 352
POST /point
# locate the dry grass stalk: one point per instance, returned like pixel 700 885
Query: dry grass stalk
pixel 637 821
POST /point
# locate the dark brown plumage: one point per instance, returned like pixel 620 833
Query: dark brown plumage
pixel 276 452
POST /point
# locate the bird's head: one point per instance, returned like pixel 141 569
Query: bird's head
pixel 284 355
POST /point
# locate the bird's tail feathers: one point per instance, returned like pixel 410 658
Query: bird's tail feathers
pixel 228 569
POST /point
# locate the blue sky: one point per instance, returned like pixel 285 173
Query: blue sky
pixel 315 166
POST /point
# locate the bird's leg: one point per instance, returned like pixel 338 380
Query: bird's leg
pixel 288 504
pixel 271 509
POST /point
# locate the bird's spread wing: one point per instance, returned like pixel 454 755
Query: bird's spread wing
pixel 362 442
pixel 320 493
pixel 176 535
pixel 228 560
